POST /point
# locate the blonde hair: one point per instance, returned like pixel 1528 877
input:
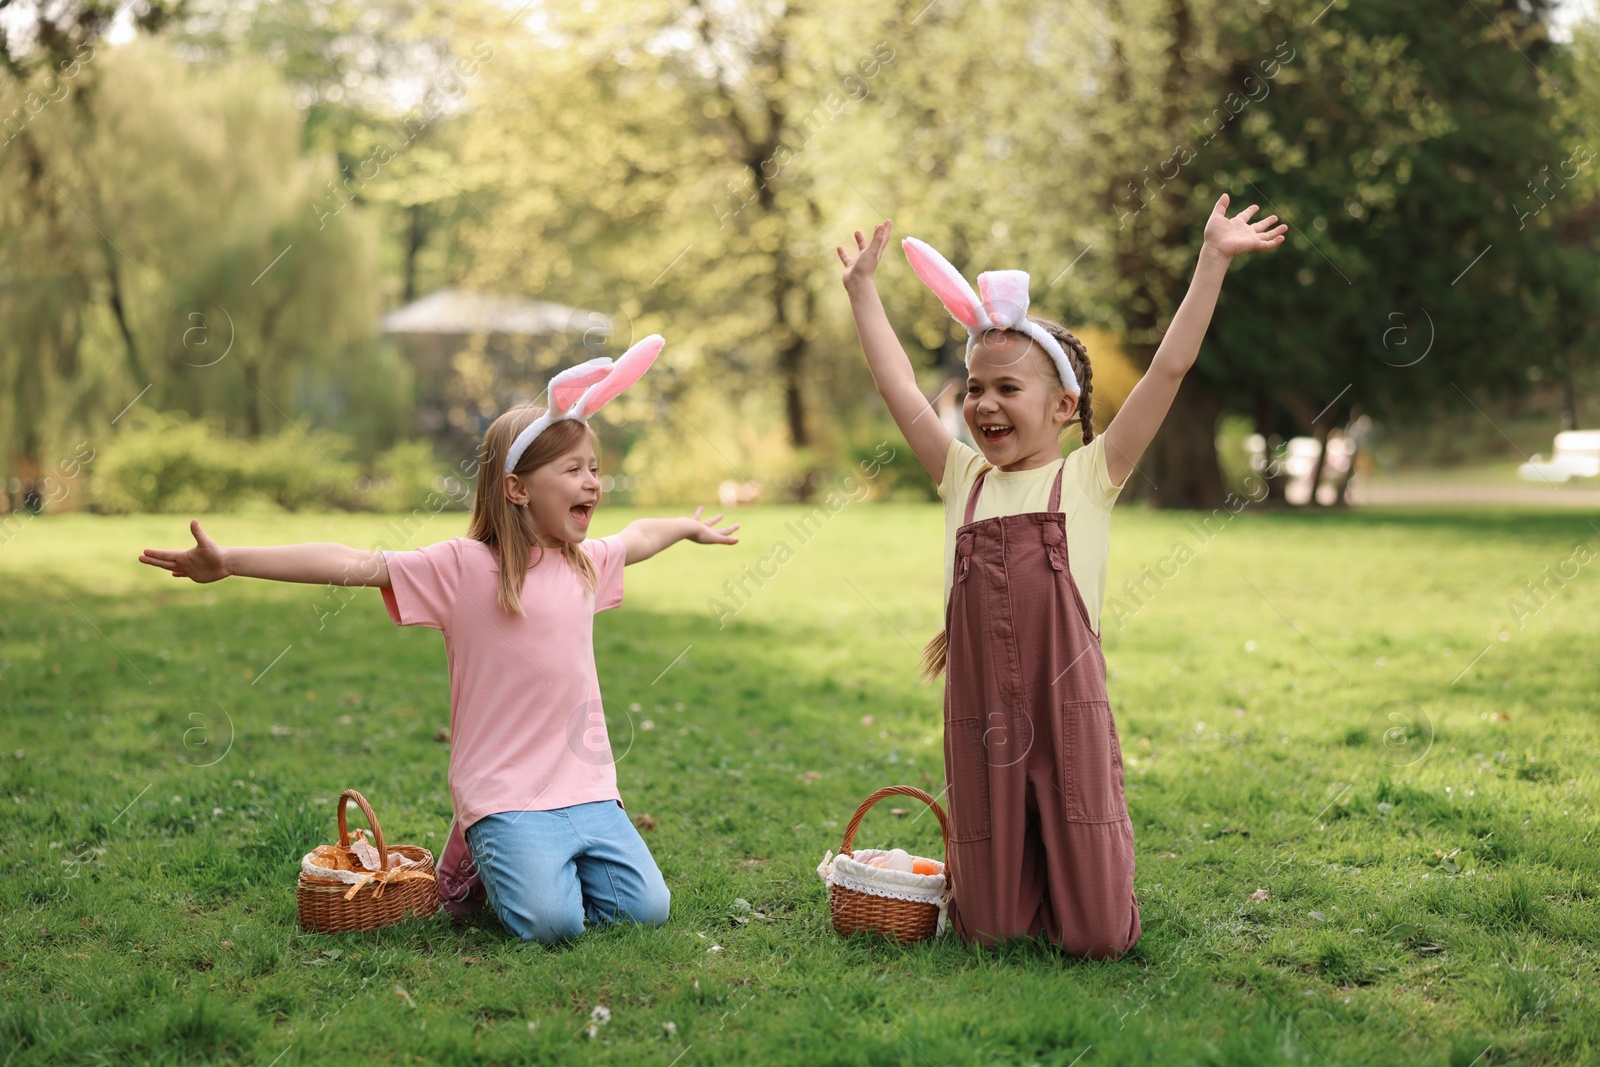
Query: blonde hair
pixel 507 528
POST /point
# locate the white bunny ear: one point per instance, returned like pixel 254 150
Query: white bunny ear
pixel 947 284
pixel 570 384
pixel 1005 296
pixel 578 392
pixel 627 370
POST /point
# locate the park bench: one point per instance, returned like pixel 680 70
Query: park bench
pixel 1577 455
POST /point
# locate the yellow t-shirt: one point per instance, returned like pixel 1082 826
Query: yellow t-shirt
pixel 1086 499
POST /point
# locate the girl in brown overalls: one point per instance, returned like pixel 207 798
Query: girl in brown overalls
pixel 1040 840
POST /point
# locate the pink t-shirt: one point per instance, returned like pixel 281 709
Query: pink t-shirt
pixel 527 732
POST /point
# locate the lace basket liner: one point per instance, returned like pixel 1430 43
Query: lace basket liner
pixel 853 872
pixel 316 864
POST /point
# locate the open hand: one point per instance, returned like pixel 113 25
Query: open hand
pixel 705 531
pixel 865 266
pixel 1238 235
pixel 202 563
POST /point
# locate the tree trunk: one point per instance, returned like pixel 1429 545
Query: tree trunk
pixel 1341 487
pixel 415 236
pixel 1322 432
pixel 792 302
pixel 1272 476
pixel 1180 468
pixel 791 360
pixel 119 312
pixel 252 408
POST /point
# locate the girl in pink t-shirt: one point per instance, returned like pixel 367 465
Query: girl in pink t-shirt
pixel 538 816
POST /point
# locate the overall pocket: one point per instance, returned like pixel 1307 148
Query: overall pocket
pixel 967 772
pixel 1089 762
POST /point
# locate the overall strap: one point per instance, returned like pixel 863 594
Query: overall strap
pixel 972 498
pixel 1055 490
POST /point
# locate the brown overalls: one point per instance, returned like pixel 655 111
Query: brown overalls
pixel 1040 837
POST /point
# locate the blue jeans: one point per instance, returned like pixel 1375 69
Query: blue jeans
pixel 547 871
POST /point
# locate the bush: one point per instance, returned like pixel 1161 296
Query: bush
pixel 166 463
pixel 304 468
pixel 172 464
pixel 409 477
pixel 889 466
pixel 705 438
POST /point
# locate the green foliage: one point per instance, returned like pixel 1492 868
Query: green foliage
pixel 703 439
pixel 164 463
pixel 688 170
pixel 161 246
pixel 408 476
pixel 890 468
pixel 170 464
pixel 1372 129
pixel 302 466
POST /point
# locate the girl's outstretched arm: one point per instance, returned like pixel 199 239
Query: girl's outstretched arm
pixel 1131 432
pixel 645 537
pixel 890 367
pixel 317 563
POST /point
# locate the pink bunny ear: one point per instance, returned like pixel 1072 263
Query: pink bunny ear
pixel 947 284
pixel 627 370
pixel 1005 296
pixel 570 384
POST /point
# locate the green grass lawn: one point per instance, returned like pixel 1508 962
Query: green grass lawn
pixel 1341 709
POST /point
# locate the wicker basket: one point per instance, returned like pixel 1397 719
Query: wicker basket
pixel 331 906
pixel 899 920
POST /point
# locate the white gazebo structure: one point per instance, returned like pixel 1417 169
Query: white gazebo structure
pixel 513 343
pixel 455 312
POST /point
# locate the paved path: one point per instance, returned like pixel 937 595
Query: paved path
pixel 1446 493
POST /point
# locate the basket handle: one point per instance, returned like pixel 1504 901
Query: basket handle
pixel 900 791
pixel 377 831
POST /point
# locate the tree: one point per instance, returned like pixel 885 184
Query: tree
pixel 1393 139
pixel 672 157
pixel 1563 201
pixel 379 82
pixel 161 251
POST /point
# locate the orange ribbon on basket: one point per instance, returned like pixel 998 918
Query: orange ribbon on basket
pixel 383 879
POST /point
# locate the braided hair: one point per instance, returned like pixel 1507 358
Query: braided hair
pixel 1080 367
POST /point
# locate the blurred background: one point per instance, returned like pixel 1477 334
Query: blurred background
pixel 297 255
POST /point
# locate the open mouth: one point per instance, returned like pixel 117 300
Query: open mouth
pixel 996 432
pixel 581 513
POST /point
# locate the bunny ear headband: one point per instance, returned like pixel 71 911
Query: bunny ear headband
pixel 1004 305
pixel 578 392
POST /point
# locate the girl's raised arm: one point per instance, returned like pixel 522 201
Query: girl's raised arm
pixel 1135 426
pixel 890 367
pixel 317 563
